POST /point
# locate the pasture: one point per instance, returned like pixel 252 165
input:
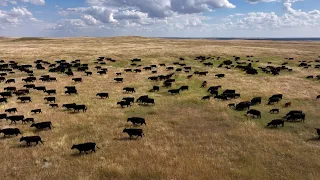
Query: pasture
pixel 185 137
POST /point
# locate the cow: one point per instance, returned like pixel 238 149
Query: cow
pixel 70 87
pixel 69 106
pixel 280 96
pixel 80 107
pixel 128 99
pixel 40 88
pixel 90 146
pixel 318 132
pixel 174 91
pixel 273 100
pixel 243 105
pixel 29 86
pixel 15 118
pixel 35 111
pixel 254 113
pixel 118 80
pixel 296 116
pixel 26 120
pixel 124 103
pixel 214 88
pixel 147 101
pixel 50 99
pixel 232 105
pixel 255 101
pixel 274 111
pixel 142 98
pixel 10 131
pixel 42 125
pixel 155 88
pixel 137 120
pixel 214 92
pixel 189 76
pixel 220 75
pixel 183 88
pixel 51 91
pixel 10 110
pixel 71 91
pixel 103 95
pixel 276 122
pixel 77 79
pixel 30 139
pixel 129 89
pixel 6 94
pixel 133 132
pixel 24 99
pixel 167 84
pixel 88 73
pixel 10 81
pixel 288 104
pixel 3 116
pixel 206 98
pixel 54 105
pixel 3 100
pixel 318 97
pixel 10 88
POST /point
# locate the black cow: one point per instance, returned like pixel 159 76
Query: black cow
pixel 134 132
pixel 10 81
pixel 10 131
pixel 26 120
pixel 42 125
pixel 256 100
pixel 128 99
pixel 40 88
pixel 35 111
pixel 71 91
pixel 88 73
pixel 220 75
pixel 3 116
pixel 80 107
pixel 10 88
pixel 155 88
pixel 25 98
pixel 254 113
pixel 124 103
pixel 90 146
pixel 318 132
pixel 137 120
pixel 10 110
pixel 183 88
pixel 206 98
pixel 70 87
pixel 3 100
pixel 274 111
pixel 29 86
pixel 77 79
pixel 276 122
pixel 147 101
pixel 129 89
pixel 30 139
pixel 103 95
pixel 53 105
pixel 6 94
pixel 273 100
pixel 69 106
pixel 280 96
pixel 50 99
pixel 243 105
pixel 15 118
pixel 214 88
pixel 118 79
pixel 296 116
pixel 174 91
pixel 51 91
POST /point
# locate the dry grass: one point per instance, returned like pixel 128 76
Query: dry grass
pixel 186 138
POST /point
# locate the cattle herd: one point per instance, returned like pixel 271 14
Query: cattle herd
pixel 23 94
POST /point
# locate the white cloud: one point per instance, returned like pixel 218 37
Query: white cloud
pixel 15 16
pixel 36 2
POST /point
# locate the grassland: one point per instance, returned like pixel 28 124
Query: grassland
pixel 186 138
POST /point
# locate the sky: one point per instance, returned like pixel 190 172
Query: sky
pixel 160 18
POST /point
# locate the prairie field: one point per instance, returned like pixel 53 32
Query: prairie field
pixel 185 137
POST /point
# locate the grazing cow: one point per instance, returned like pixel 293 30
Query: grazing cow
pixel 124 103
pixel 137 120
pixel 10 131
pixel 256 100
pixel 71 91
pixel 90 146
pixel 54 105
pixel 147 101
pixel 206 98
pixel 274 111
pixel 42 125
pixel 25 98
pixel 77 79
pixel 103 95
pixel 118 73
pixel 6 94
pixel 10 110
pixel 288 104
pixel 276 122
pixel 221 97
pixel 296 116
pixel 134 132
pixel 167 84
pixel 29 86
pixel 70 87
pixel 3 116
pixel 232 105
pixel 30 139
pixel 243 105
pixel 88 73
pixel 220 75
pixel 10 81
pixel 80 107
pixel 26 120
pixel 280 96
pixel 118 79
pixel 318 132
pixel 40 88
pixel 15 118
pixel 184 88
pixel 142 98
pixel 309 77
pixel 35 111
pixel 69 106
pixel 50 99
pixel 155 88
pixel 129 90
pixel 214 92
pixel 3 100
pixel 254 113
pixel 174 91
pixel 10 88
pixel 273 100
pixel 51 91
pixel 214 88
pixel 128 99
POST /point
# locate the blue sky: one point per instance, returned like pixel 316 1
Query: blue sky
pixel 178 18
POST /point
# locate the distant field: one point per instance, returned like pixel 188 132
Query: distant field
pixel 185 137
